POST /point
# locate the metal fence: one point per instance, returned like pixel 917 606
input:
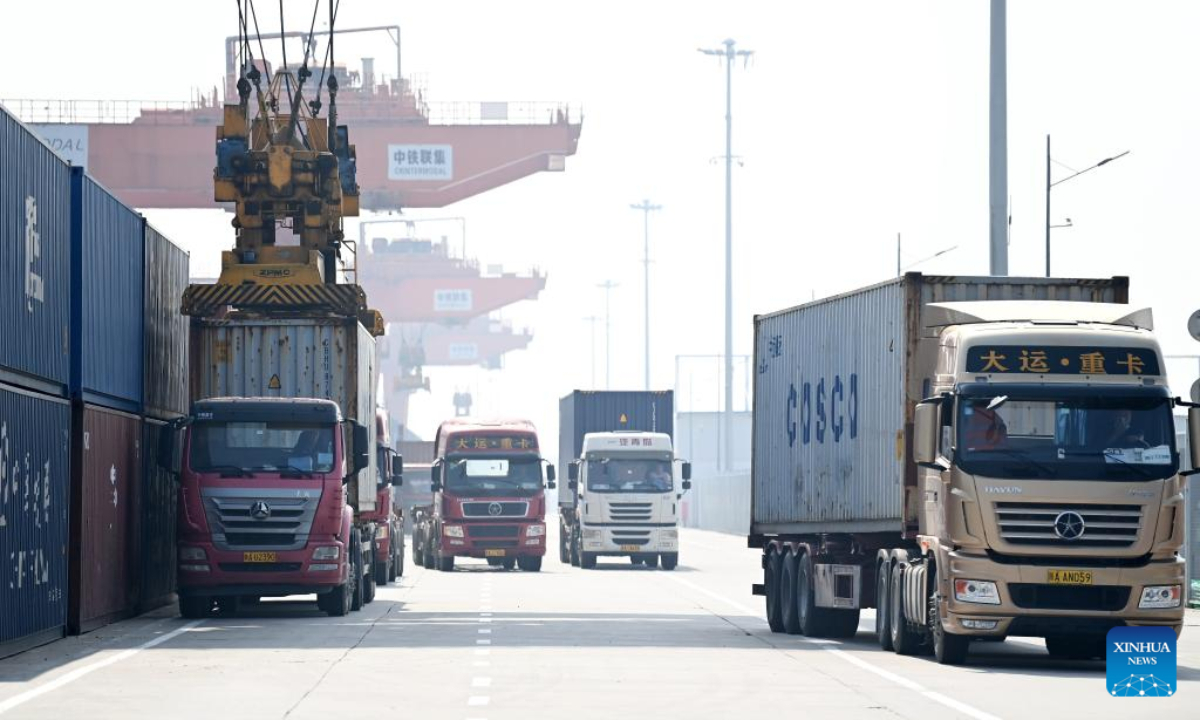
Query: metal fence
pixel 718 502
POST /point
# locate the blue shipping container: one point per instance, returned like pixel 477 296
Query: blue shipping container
pixel 107 256
pixel 35 281
pixel 34 477
pixel 166 362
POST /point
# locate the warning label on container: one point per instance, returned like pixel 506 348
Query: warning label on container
pixel 273 383
pixel 420 162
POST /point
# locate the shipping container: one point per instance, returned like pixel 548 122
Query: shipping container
pixel 416 451
pixel 35 261
pixel 107 317
pixel 107 464
pixel 159 502
pixel 166 328
pixel 834 393
pixel 585 411
pixel 34 512
pixel 330 358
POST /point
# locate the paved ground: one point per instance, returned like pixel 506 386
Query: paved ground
pixel 617 642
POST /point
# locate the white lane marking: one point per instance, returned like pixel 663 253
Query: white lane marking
pixel 485 619
pixel 481 682
pixel 483 642
pixel 831 646
pixel 485 631
pixel 485 614
pixel 483 651
pixel 481 663
pixel 56 683
pixel 478 700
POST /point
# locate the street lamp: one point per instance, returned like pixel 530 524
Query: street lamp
pixel 607 286
pixel 646 207
pixel 1050 184
pixel 937 254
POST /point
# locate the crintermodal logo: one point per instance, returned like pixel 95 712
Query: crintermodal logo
pixel 1141 662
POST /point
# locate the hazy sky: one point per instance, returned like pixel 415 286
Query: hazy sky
pixel 854 121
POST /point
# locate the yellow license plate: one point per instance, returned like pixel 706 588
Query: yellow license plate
pixel 1069 577
pixel 494 553
pixel 630 548
pixel 258 557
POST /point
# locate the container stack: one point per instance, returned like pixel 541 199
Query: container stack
pixel 93 362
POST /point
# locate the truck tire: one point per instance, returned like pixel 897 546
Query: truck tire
pixel 356 571
pixel 808 615
pixel 904 640
pixel 427 559
pixel 670 561
pixel 369 580
pixel 336 602
pixel 587 560
pixel 948 648
pixel 842 623
pixel 789 601
pixel 383 572
pixel 530 563
pixel 771 581
pixel 1075 647
pixel 651 560
pixel 508 563
pixel 575 549
pixel 883 608
pixel 445 564
pixel 397 565
pixel 195 607
pixel 564 553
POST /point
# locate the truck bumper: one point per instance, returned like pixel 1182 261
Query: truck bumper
pixel 1030 606
pixel 496 540
pixel 246 572
pixel 630 540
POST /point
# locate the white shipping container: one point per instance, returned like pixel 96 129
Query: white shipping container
pixel 319 357
pixel 835 385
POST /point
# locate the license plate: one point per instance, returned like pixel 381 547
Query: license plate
pixel 258 557
pixel 494 553
pixel 630 548
pixel 1069 577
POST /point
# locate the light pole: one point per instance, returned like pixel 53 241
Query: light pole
pixel 646 209
pixel 937 254
pixel 591 320
pixel 1050 184
pixel 729 54
pixel 607 286
pixel 998 140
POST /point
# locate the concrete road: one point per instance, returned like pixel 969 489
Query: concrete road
pixel 616 642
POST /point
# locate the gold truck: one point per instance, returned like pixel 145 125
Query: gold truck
pixel 974 457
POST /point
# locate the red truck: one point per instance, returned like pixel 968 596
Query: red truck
pixel 263 504
pixel 488 497
pixel 387 516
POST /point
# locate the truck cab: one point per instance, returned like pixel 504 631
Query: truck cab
pixel 626 499
pixel 488 497
pixel 263 510
pixel 388 515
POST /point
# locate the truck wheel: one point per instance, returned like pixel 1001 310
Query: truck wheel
pixel 417 554
pixel 195 606
pixel 530 563
pixel 445 564
pixel 1075 647
pixel 336 602
pixel 369 582
pixel 356 571
pixel 587 560
pixel 427 558
pixel 650 560
pixel 811 618
pixel 883 608
pixel 842 623
pixel 771 582
pixel 508 563
pixel 948 648
pixel 228 605
pixel 383 572
pixel 564 553
pixel 398 565
pixel 670 561
pixel 904 640
pixel 575 550
pixel 789 601
pixel 635 559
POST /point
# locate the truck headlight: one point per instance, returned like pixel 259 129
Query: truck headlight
pixel 1160 597
pixel 381 532
pixel 535 531
pixel 192 553
pixel 671 533
pixel 983 592
pixel 194 568
pixel 453 531
pixel 327 552
pixel 592 533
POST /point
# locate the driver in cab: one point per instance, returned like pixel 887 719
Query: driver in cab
pixel 985 429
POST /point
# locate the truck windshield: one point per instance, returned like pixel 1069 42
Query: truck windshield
pixel 494 476
pixel 1069 438
pixel 610 475
pixel 283 447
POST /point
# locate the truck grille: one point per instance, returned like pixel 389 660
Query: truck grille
pixel 495 509
pixel 630 537
pixel 285 526
pixel 492 531
pixel 630 512
pixel 1107 598
pixel 1058 525
pixel 260 567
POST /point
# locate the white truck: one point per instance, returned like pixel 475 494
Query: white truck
pixel 627 500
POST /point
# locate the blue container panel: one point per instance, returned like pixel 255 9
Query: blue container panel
pixel 34 477
pixel 166 327
pixel 35 278
pixel 107 243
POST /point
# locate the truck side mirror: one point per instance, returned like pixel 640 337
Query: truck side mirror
pixel 687 485
pixel 551 476
pixel 361 451
pixel 687 475
pixel 1194 436
pixel 572 484
pixel 573 473
pixel 397 470
pixel 926 432
pixel 435 476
